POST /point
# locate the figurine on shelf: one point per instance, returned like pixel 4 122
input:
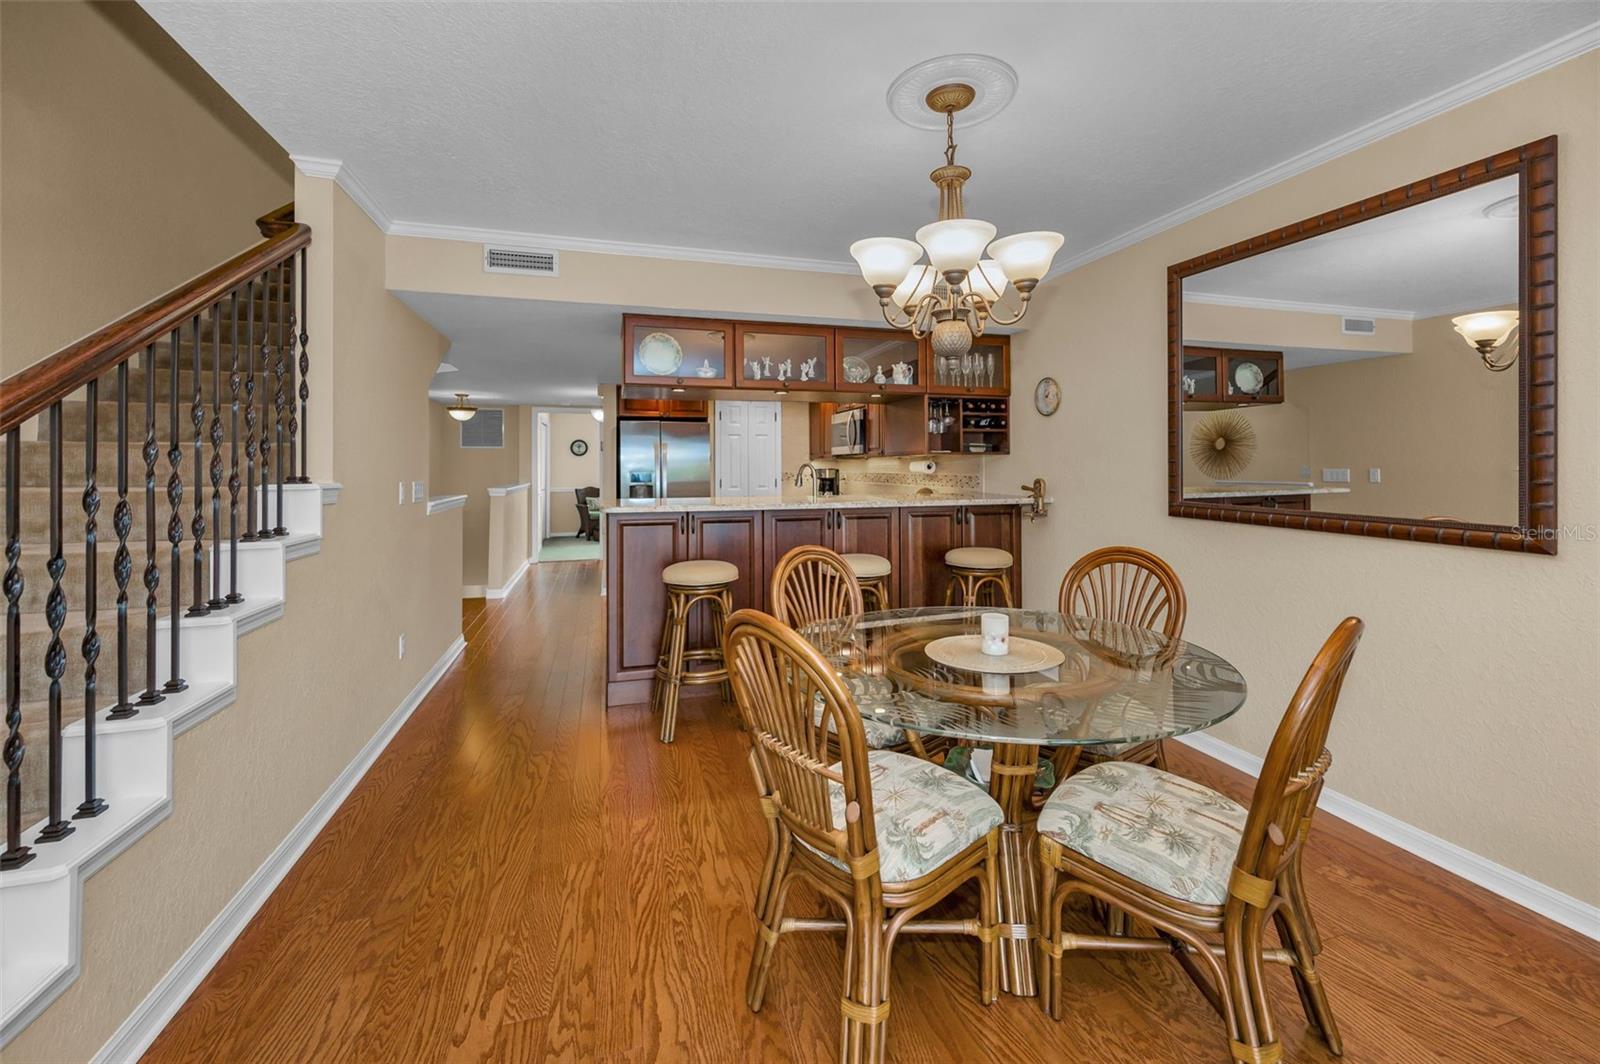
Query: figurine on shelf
pixel 766 366
pixel 755 370
pixel 808 369
pixel 705 371
pixel 785 368
pixel 902 372
pixel 879 379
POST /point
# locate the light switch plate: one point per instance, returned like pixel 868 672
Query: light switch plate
pixel 401 493
pixel 419 491
pixel 1374 475
pixel 1336 476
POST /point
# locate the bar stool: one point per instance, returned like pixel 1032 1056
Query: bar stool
pixel 872 573
pixel 978 569
pixel 689 583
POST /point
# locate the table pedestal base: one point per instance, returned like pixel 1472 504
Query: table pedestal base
pixel 1018 900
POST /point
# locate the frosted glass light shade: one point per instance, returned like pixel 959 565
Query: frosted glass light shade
pixel 918 283
pixel 1493 327
pixel 1027 256
pixel 955 243
pixel 884 260
pixel 988 280
pixel 599 415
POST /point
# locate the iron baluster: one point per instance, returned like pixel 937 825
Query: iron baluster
pixel 122 564
pixel 278 397
pixel 250 414
pixel 175 681
pixel 305 370
pixel 197 522
pixel 216 601
pixel 233 455
pixel 152 571
pixel 91 805
pixel 55 655
pixel 16 855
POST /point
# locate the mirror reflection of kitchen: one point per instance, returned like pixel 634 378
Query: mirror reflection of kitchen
pixel 1370 370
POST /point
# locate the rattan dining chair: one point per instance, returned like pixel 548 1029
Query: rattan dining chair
pixel 880 835
pixel 1134 587
pixel 1197 866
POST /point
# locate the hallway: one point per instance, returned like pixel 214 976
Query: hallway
pixel 523 877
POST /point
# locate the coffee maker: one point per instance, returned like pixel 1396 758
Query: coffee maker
pixel 827 480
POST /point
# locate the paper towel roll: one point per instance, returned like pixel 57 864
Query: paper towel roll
pixel 926 465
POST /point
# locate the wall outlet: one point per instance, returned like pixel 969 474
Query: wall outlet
pixel 1336 476
pixel 400 651
pixel 419 491
pixel 1374 475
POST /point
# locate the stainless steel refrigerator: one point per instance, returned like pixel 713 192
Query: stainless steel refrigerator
pixel 663 459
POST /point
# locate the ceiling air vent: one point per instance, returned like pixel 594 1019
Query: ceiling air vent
pixel 520 260
pixel 1358 326
pixel 485 429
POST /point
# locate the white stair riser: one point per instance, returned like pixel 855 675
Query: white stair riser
pixel 131 757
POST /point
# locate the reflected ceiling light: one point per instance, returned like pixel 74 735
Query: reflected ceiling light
pixel 1489 332
pixel 445 367
pixel 462 410
pixel 956 294
pixel 599 414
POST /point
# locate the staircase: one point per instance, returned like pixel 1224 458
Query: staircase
pixel 155 491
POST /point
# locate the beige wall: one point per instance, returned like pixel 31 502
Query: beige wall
pixel 509 529
pixel 567 470
pixel 314 685
pixel 127 171
pixel 1469 712
pixel 1283 442
pixel 472 471
pixel 1209 323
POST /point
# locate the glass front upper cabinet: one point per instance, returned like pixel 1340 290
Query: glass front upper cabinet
pixel 1252 376
pixel 677 351
pixel 984 370
pixel 878 361
pixel 783 357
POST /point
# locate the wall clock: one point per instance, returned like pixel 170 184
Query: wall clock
pixel 579 447
pixel 1047 396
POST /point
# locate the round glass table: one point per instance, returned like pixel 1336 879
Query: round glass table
pixel 1096 682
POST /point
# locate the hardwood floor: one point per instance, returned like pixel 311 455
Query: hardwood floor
pixel 524 877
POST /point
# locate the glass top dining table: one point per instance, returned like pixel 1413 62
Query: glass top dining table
pixel 1089 682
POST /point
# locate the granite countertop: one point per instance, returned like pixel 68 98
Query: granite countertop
pixel 802 502
pixel 1235 491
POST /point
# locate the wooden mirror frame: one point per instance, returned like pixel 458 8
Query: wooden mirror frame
pixel 1535 166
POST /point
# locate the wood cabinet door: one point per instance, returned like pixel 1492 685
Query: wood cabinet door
pixel 926 532
pixel 784 530
pixel 871 531
pixel 637 549
pixel 733 537
pixel 683 352
pixel 772 356
pixel 1000 527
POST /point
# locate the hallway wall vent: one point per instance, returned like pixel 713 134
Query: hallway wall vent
pixel 1358 326
pixel 486 429
pixel 521 260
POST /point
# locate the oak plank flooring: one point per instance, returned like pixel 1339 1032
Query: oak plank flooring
pixel 523 876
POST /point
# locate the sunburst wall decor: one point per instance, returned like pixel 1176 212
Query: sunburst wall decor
pixel 1223 444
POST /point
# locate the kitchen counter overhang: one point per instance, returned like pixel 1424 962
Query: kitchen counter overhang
pixel 789 502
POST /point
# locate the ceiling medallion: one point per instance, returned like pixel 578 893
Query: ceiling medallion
pixel 955 295
pixel 993 84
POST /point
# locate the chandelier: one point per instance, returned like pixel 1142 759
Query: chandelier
pixel 1492 334
pixel 956 294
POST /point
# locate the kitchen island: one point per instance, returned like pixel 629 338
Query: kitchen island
pixel 644 536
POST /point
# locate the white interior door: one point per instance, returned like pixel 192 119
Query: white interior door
pixel 732 442
pixel 764 455
pixel 541 476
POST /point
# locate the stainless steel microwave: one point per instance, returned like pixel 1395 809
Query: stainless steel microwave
pixel 848 433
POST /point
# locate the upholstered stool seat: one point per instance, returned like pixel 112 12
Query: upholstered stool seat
pixel 689 584
pixel 978 558
pixel 872 573
pixel 976 571
pixel 702 573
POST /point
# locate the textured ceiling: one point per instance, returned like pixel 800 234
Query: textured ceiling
pixel 762 128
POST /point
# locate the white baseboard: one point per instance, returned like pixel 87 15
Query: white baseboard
pixel 1510 884
pixel 136 1033
pixel 510 585
pixel 471 591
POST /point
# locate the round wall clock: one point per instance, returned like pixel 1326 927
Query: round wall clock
pixel 1047 396
pixel 579 447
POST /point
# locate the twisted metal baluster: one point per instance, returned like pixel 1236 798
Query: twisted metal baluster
pixel 250 414
pixel 265 531
pixel 152 571
pixel 233 468
pixel 197 523
pixel 289 393
pixel 216 601
pixel 122 564
pixel 305 370
pixel 16 855
pixel 55 655
pixel 175 681
pixel 91 805
pixel 278 398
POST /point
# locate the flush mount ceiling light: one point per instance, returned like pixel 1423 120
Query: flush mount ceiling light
pixel 1489 332
pixel 957 293
pixel 462 410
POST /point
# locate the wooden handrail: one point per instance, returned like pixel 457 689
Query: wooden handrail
pixel 32 391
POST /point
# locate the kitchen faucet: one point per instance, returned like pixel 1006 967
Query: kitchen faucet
pixel 799 478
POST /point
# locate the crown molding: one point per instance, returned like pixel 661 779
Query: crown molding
pixel 552 242
pixel 1218 299
pixel 339 172
pixel 1578 42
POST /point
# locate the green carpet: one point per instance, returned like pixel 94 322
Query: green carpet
pixel 569 549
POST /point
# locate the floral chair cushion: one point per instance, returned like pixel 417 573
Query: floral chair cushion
pixel 1163 830
pixel 865 689
pixel 924 815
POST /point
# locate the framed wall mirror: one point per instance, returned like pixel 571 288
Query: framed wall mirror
pixel 1384 369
